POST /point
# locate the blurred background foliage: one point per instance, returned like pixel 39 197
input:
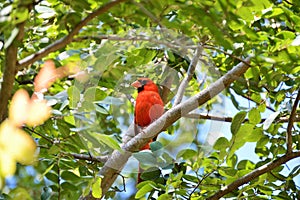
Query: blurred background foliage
pixel 192 159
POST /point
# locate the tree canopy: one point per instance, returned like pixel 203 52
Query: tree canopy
pixel 228 73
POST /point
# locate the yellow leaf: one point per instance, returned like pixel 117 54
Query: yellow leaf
pixel 18 109
pixel 38 113
pixel 96 188
pixel 7 165
pixel 17 143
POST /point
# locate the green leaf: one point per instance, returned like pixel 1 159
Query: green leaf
pixel 171 56
pixel 54 149
pixel 94 94
pixel 52 177
pixel 48 169
pixel 186 154
pixel 107 140
pixel 155 146
pixel 100 109
pixel 245 164
pixel 68 186
pixel 74 96
pixel 21 15
pixel 237 121
pixel 145 158
pixel 254 116
pixel 221 144
pixel 286 35
pixel 96 188
pixel 255 136
pixel 151 173
pixel 240 138
pixel 144 190
pixel 165 197
pixel 231 162
pixel 69 176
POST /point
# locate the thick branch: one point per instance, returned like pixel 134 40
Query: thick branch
pixel 289 137
pixel 118 159
pixel 190 73
pixel 9 71
pixel 254 174
pixel 67 39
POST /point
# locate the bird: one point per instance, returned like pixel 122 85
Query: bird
pixel 148 107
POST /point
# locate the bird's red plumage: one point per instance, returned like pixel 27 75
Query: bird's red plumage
pixel 149 105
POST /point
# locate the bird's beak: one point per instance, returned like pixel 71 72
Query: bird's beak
pixel 136 84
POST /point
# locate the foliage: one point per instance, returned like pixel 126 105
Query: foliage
pixel 92 103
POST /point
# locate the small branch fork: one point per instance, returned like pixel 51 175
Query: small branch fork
pixel 188 78
pixel 292 119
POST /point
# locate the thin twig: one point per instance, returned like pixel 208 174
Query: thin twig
pixel 229 119
pixel 67 39
pixel 39 134
pixel 101 159
pixel 289 136
pixel 148 13
pixel 225 52
pixel 189 76
pixel 248 98
pixel 254 174
pixel 166 43
pixel 199 183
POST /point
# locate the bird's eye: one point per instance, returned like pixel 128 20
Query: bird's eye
pixel 143 81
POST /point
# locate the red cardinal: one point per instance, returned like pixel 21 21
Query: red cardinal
pixel 148 107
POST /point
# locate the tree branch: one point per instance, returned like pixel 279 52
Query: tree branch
pixel 147 13
pixel 229 119
pixel 67 39
pixel 254 174
pixel 9 71
pixel 177 46
pixel 289 136
pixel 190 73
pixel 101 159
pixel 248 98
pixel 118 159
